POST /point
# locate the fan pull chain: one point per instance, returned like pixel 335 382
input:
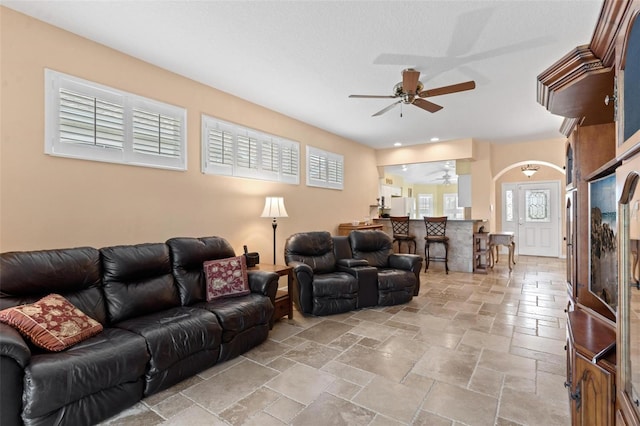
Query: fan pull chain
pixel 400 110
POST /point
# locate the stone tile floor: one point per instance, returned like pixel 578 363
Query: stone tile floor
pixel 470 350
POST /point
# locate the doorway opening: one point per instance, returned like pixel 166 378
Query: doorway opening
pixel 531 210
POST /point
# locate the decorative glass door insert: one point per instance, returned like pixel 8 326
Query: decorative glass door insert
pixel 537 205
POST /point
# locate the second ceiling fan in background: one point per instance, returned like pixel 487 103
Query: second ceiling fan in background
pixel 410 91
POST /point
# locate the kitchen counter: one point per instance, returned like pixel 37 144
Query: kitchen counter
pixel 460 233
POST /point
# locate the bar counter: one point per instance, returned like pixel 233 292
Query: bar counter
pixel 460 233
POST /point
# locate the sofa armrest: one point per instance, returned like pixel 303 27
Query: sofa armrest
pixel 352 263
pixel 13 346
pixel 303 283
pixel 14 356
pixel 407 262
pixel 264 282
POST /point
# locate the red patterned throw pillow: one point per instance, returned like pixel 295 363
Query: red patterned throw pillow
pixel 226 278
pixel 51 323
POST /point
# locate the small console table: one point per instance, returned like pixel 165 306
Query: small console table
pixel 345 228
pixel 501 239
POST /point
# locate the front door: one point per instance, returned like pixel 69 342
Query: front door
pixel 532 212
pixel 538 219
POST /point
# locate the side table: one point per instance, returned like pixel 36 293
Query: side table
pixel 504 239
pixel 481 254
pixel 283 305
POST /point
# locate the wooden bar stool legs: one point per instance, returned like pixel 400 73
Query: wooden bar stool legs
pixel 436 230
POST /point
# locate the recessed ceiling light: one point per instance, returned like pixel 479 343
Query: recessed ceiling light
pixel 397 144
pixel 435 139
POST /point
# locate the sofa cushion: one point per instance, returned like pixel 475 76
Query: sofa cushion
pixel 73 273
pixel 226 277
pixel 334 285
pixel 51 323
pixel 173 336
pixel 334 293
pixel 187 256
pixel 239 314
pixel 137 280
pixel 373 246
pixel 395 286
pixel 105 361
pixel 312 248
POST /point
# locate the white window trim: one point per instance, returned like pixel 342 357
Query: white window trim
pixel 329 158
pixel 55 81
pixel 275 173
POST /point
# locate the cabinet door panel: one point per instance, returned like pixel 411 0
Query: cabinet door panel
pixel 595 387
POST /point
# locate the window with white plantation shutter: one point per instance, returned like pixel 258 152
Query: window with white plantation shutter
pixel 90 121
pixel 87 120
pixel 155 133
pixel 232 150
pixel 290 159
pixel 270 156
pixel 246 156
pixel 324 169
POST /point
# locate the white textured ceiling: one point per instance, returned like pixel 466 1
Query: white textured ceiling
pixel 303 58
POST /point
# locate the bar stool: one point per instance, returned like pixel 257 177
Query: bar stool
pixel 400 227
pixel 436 229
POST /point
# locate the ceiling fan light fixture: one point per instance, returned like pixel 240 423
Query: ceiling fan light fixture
pixel 410 91
pixel 529 170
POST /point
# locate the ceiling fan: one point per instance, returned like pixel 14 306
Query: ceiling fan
pixel 410 91
pixel 447 178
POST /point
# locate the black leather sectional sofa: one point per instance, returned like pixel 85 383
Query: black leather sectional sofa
pixel 158 327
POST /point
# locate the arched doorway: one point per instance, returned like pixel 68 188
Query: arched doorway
pixel 531 208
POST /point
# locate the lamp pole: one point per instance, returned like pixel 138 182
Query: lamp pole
pixel 275 225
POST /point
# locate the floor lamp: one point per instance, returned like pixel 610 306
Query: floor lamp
pixel 274 207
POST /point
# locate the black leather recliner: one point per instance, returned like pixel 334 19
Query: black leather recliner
pixel 245 320
pixel 142 297
pixel 84 384
pixel 319 287
pixel 398 274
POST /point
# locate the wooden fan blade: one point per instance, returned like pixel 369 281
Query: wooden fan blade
pixel 410 79
pixel 382 111
pixel 426 105
pixel 460 87
pixel 372 96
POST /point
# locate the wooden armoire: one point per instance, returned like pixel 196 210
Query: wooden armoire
pixel 596 88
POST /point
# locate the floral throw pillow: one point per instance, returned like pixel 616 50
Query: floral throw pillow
pixel 51 323
pixel 226 278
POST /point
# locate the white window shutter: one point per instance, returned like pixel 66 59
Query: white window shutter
pixel 324 169
pixel 89 121
pixel 233 150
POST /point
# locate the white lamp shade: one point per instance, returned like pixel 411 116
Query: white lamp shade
pixel 529 170
pixel 274 207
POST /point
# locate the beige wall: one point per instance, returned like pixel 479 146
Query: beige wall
pixel 49 202
pixel 441 151
pixel 551 151
pixel 52 202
